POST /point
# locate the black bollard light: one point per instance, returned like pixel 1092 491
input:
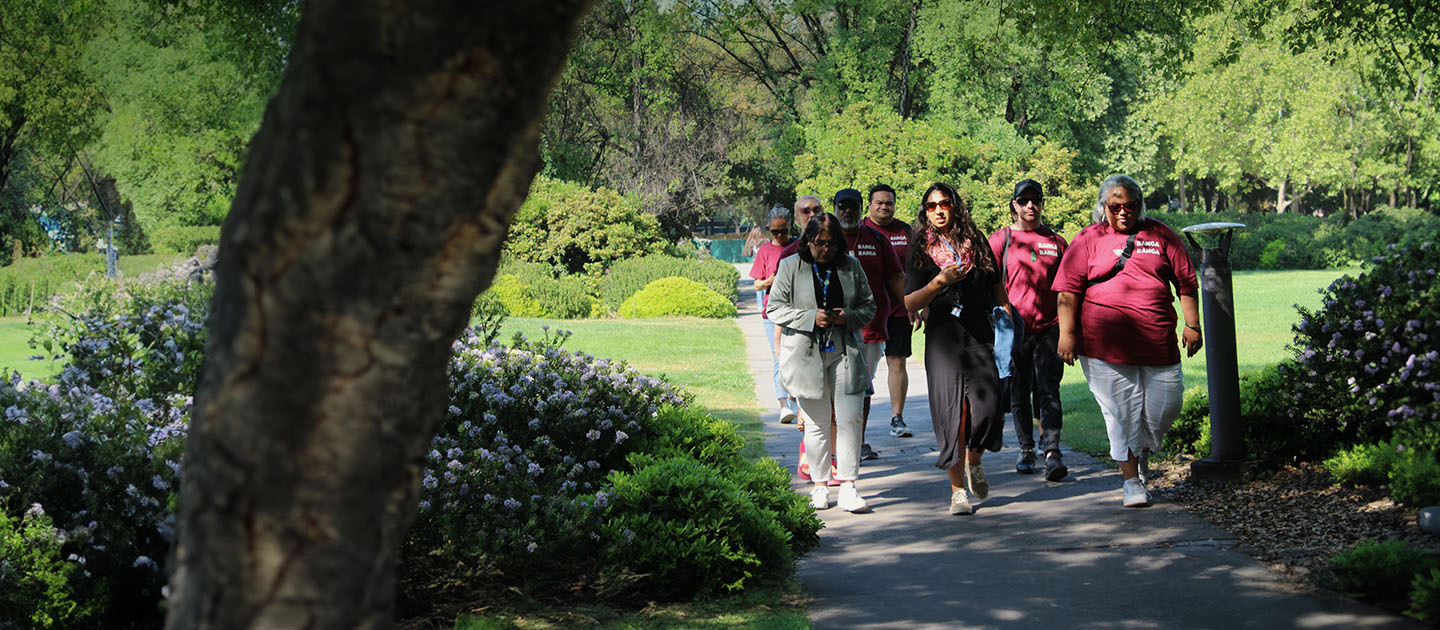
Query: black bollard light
pixel 1227 460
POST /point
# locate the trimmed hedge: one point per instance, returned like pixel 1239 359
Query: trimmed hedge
pixel 627 277
pixel 676 296
pixel 524 289
pixel 183 239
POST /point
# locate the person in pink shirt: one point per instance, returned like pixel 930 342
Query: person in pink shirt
pixel 1029 253
pixel 898 326
pixel 1116 315
pixel 767 260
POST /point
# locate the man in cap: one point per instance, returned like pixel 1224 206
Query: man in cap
pixel 1029 254
pixel 898 326
pixel 887 282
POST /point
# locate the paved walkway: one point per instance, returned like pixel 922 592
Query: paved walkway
pixel 1034 555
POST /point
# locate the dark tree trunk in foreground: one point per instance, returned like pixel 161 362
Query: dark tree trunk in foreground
pixel 369 216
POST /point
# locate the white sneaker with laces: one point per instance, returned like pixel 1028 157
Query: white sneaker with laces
pixel 787 416
pixel 820 498
pixel 1135 493
pixel 850 500
pixel 960 502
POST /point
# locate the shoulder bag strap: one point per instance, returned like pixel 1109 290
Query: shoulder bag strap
pixel 1119 262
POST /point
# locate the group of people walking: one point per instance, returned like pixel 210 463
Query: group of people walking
pixel 851 290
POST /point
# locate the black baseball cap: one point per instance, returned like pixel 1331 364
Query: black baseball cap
pixel 1026 185
pixel 848 194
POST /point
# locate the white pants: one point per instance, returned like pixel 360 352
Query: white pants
pixel 847 424
pixel 1139 402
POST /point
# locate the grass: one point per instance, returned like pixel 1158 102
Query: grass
pixel 15 350
pixel 765 609
pixel 1265 304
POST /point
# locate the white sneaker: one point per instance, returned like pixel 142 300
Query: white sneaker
pixel 787 415
pixel 820 498
pixel 1135 493
pixel 975 478
pixel 960 502
pixel 850 500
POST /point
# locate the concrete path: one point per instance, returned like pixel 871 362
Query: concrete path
pixel 1034 555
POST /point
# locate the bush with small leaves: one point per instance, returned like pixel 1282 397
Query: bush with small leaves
pixel 1415 479
pixel 627 277
pixel 668 297
pixel 1425 596
pixel 35 589
pixel 1377 570
pixel 1363 465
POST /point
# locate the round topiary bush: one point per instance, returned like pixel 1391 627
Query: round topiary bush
pixel 668 297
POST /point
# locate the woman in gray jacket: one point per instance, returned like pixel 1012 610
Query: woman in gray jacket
pixel 820 300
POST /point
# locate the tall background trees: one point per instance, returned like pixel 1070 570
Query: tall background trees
pixel 722 108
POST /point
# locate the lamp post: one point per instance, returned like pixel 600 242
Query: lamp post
pixel 1227 458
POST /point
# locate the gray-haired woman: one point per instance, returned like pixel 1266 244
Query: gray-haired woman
pixel 1121 269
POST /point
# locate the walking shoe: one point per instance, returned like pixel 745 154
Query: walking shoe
pixel 960 502
pixel 898 428
pixel 975 478
pixel 787 415
pixel 1055 469
pixel 1025 464
pixel 1144 461
pixel 850 500
pixel 1135 493
pixel 820 498
pixel 868 453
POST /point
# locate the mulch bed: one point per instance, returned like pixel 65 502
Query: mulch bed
pixel 1293 519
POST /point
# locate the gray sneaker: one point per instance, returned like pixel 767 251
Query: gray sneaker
pixel 975 477
pixel 867 453
pixel 960 503
pixel 1135 493
pixel 898 428
pixel 1025 464
pixel 1144 461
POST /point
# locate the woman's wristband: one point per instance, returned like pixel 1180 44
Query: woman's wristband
pixel 1194 328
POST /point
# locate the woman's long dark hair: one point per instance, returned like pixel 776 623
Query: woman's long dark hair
pixel 965 235
pixel 824 222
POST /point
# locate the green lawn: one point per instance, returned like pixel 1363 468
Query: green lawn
pixel 15 350
pixel 1264 311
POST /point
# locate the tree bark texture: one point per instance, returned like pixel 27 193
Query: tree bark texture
pixel 370 214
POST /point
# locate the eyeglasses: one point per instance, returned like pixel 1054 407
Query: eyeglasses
pixel 1025 201
pixel 825 244
pixel 779 232
pixel 1117 207
pixel 807 210
pixel 943 203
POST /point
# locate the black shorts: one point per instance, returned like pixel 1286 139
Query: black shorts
pixel 898 329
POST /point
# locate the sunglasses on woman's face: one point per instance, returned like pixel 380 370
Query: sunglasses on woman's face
pixel 779 232
pixel 1117 207
pixel 943 203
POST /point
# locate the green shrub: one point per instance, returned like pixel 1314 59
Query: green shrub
pixel 1415 479
pixel 512 296
pixel 35 589
pixel 1190 434
pixel 30 282
pixel 1363 464
pixel 1425 596
pixel 677 528
pixel 676 296
pixel 176 239
pixel 1369 359
pixel 627 277
pixel 1271 257
pixel 570 226
pixel 1378 570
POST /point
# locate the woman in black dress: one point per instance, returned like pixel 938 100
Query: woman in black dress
pixel 952 272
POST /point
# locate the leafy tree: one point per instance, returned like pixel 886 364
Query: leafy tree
pixel 574 229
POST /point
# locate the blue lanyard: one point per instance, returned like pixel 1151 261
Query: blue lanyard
pixel 824 284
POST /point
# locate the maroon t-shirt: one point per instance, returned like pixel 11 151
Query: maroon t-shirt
pixel 898 233
pixel 767 260
pixel 1130 318
pixel 879 261
pixel 1030 268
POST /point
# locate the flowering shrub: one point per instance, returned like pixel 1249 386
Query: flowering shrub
pixel 98 450
pixel 531 484
pixel 1369 358
pixel 668 297
pixel 34 579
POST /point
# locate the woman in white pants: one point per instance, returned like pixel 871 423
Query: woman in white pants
pixel 1115 314
pixel 820 300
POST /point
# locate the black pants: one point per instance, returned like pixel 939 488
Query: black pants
pixel 1035 377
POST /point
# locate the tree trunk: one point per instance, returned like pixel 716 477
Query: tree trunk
pixel 1280 196
pixel 369 215
pixel 1184 207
